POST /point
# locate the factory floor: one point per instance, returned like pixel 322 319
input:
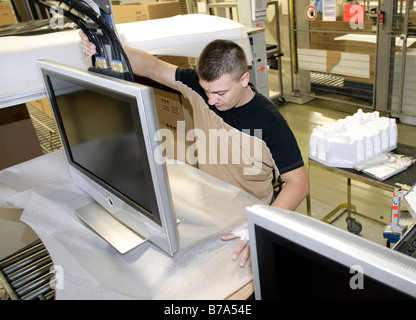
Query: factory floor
pixel 327 190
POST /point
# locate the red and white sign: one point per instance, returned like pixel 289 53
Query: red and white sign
pixel 354 13
pixel 311 13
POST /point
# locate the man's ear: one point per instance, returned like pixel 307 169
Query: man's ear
pixel 245 79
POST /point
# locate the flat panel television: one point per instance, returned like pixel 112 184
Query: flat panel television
pixel 297 257
pixel 107 127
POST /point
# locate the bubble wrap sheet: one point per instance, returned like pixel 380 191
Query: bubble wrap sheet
pixel 91 269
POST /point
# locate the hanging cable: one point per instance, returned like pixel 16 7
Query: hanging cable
pixel 111 58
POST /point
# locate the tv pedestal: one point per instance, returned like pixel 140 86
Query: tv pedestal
pixel 109 228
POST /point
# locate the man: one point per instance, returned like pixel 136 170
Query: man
pixel 223 99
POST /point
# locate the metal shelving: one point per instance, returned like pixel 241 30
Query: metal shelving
pixel 45 129
pixel 28 274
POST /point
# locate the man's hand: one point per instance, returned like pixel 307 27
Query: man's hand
pixel 242 245
pixel 87 47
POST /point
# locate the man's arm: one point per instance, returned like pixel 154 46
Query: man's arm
pixel 142 63
pixel 295 190
pixel 148 66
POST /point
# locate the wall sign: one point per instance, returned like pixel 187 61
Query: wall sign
pixel 311 13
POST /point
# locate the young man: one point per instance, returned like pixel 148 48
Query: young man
pixel 259 143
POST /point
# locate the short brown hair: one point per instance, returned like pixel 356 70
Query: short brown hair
pixel 221 57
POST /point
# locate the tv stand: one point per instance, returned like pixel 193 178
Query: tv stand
pixel 109 228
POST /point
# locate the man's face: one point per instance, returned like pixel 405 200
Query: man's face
pixel 226 92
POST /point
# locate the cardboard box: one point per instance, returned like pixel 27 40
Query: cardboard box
pixel 322 37
pixel 7 15
pixel 363 48
pixel 323 33
pixel 175 114
pixel 18 139
pixel 325 41
pixel 183 62
pixel 21 10
pixel 145 11
pixel 172 108
pixel 347 64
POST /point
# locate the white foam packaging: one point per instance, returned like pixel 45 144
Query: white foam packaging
pixel 352 140
pixel 182 35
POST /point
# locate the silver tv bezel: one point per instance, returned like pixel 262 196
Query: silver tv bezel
pixel 385 265
pixel 120 222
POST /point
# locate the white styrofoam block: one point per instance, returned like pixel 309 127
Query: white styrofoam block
pixel 182 35
pixel 352 140
pixel 19 74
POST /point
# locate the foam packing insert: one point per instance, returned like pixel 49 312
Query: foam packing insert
pixel 355 139
pixel 182 35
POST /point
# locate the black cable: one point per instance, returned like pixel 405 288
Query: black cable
pixel 84 11
pixel 102 24
pixel 78 20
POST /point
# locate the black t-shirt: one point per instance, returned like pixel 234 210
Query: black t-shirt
pixel 258 114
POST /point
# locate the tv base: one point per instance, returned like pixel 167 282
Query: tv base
pixel 109 228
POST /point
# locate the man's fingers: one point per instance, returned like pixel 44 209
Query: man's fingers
pixel 228 236
pixel 87 46
pixel 237 251
pixel 245 257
